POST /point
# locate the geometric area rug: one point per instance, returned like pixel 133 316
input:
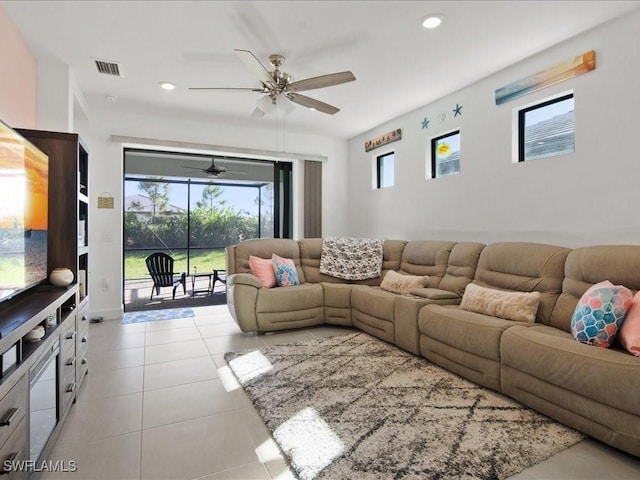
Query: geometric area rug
pixel 154 315
pixel 355 407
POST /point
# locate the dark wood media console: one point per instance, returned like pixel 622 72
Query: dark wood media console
pixel 39 380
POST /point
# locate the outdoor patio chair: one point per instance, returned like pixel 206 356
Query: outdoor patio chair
pixel 160 266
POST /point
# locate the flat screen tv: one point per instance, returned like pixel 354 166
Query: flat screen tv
pixel 24 189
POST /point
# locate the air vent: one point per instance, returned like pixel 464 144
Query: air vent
pixel 109 68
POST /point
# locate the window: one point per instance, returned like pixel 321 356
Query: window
pixel 385 170
pixel 546 129
pixel 445 155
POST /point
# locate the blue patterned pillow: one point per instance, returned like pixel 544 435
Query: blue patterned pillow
pixel 600 313
pixel 285 270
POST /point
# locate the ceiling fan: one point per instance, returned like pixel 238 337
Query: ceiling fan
pixel 213 170
pixel 279 87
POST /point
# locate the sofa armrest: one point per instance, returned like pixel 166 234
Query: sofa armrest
pixel 244 279
pixel 435 294
pixel 242 295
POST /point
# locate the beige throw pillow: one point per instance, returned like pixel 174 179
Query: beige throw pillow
pixel 518 306
pixel 398 283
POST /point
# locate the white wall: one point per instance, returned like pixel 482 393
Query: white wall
pixel 18 92
pixel 588 197
pixel 105 226
pixel 61 106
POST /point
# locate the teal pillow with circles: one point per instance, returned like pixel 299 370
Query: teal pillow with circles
pixel 599 314
pixel 285 270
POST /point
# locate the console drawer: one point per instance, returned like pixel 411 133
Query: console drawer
pixel 82 362
pixel 15 449
pixel 68 336
pixel 68 382
pixel 13 408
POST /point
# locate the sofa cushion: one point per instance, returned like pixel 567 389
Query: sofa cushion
pixel 263 269
pixel 586 266
pixel 599 314
pixel 461 268
pixel 435 294
pixel 426 257
pixel 264 248
pixel 467 331
pixel 402 283
pixel 292 307
pixel 285 271
pixel 373 301
pixel 629 333
pixel 518 306
pixel 524 267
pixel 608 376
pixel 291 299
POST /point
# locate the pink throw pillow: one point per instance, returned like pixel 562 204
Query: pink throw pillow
pixel 629 334
pixel 263 269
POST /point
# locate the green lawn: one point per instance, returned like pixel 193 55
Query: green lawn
pixel 206 261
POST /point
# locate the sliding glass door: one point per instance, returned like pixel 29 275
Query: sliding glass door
pixel 194 218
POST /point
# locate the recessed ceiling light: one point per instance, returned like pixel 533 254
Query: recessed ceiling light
pixel 432 21
pixel 167 85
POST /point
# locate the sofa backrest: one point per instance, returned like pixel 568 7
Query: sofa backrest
pixel 462 265
pixel 427 257
pixel 524 267
pixel 585 266
pixel 238 256
pixel 311 251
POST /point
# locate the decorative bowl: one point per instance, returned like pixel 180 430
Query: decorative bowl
pixel 61 277
pixel 35 335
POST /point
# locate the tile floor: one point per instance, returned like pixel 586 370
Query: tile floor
pixel 160 403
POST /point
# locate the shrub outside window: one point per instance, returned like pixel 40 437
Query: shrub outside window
pixel 385 170
pixel 445 155
pixel 546 129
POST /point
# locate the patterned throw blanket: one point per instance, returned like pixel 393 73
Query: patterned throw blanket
pixel 351 258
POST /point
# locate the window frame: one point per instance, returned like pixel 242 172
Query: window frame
pixel 433 142
pixel 536 106
pixel 379 167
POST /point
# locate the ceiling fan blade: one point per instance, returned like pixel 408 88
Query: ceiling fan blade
pixel 312 103
pixel 229 89
pixel 253 64
pixel 321 81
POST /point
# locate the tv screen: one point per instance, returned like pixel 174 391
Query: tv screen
pixel 24 189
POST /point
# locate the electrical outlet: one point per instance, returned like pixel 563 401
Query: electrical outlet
pixel 105 285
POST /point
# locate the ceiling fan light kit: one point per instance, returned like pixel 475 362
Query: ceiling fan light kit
pixel 280 88
pixel 267 104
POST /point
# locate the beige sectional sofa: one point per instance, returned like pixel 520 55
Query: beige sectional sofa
pixel 592 389
pixel 595 390
pixel 468 343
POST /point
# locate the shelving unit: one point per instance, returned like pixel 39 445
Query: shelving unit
pixel 69 220
pixel 28 431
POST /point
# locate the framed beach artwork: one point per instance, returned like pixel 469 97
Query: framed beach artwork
pixel 559 73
